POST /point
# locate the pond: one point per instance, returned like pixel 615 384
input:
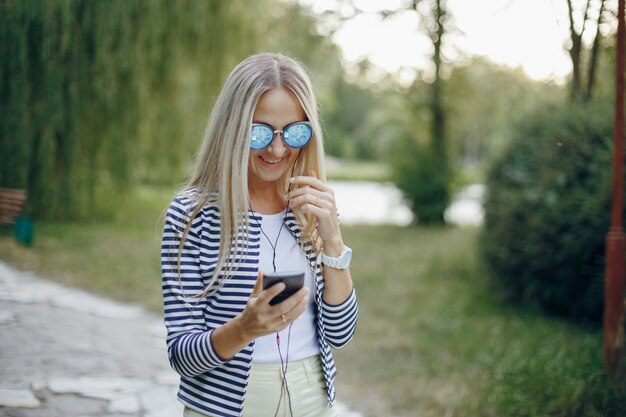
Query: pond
pixel 382 203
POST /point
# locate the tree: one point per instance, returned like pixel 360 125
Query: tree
pixel 483 101
pixel 436 32
pixel 100 96
pixel 434 17
pixel 577 50
pixel 432 147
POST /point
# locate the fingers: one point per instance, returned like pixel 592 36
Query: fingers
pixel 311 181
pixel 319 203
pixel 266 296
pixel 264 319
pixel 316 198
pixel 311 185
pixel 258 286
pixel 307 189
pixel 290 309
pixel 308 196
pixel 313 192
pixel 259 318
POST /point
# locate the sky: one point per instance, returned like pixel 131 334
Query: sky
pixel 530 34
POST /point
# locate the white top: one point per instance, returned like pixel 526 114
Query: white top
pixel 289 257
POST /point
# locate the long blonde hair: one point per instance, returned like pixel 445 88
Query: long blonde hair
pixel 220 175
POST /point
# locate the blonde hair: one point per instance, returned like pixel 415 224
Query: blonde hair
pixel 220 175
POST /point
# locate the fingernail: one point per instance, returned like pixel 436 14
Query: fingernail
pixel 292 179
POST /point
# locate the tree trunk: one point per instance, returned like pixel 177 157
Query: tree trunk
pixel 438 121
pixel 441 179
pixel 593 61
pixel 576 49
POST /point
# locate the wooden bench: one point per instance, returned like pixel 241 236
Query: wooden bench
pixel 11 204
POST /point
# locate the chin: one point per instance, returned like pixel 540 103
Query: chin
pixel 263 175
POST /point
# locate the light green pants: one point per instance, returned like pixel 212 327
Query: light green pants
pixel 307 389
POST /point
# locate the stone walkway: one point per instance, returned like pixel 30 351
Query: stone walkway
pixel 67 353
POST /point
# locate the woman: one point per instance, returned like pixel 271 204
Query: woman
pixel 256 202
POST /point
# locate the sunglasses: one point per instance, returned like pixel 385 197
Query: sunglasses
pixel 295 135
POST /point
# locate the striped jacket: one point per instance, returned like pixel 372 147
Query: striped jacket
pixel 209 384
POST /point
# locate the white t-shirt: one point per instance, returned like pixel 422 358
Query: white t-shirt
pixel 289 257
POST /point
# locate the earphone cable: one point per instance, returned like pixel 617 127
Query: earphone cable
pixel 283 365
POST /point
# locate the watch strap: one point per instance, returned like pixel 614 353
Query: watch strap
pixel 340 262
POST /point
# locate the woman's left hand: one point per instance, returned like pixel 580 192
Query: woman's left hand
pixel 316 198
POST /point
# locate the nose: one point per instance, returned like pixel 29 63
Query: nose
pixel 277 147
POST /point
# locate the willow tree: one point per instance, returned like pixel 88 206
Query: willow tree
pixel 97 95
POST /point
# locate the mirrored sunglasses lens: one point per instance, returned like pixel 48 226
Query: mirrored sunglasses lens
pixel 298 135
pixel 260 137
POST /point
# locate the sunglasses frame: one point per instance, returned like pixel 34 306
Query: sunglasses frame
pixel 282 134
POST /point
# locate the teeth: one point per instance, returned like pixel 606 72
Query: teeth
pixel 269 161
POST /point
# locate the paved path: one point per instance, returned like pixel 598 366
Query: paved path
pixel 67 353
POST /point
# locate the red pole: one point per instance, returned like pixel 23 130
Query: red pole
pixel 615 242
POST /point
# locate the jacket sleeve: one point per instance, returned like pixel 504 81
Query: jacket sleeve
pixel 340 321
pixel 189 345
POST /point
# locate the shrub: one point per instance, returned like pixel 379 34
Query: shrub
pixel 547 211
pixel 423 179
pixel 602 396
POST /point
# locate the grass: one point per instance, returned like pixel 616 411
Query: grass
pixel 118 258
pixel 432 340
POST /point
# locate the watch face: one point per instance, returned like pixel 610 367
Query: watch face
pixel 347 257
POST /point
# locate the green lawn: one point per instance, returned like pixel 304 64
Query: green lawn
pixel 432 339
pixel 119 258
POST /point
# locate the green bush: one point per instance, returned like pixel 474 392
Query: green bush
pixel 423 179
pixel 602 396
pixel 548 210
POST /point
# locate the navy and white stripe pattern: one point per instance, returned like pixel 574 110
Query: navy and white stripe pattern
pixel 209 384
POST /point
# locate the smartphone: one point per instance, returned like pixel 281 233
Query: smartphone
pixel 292 279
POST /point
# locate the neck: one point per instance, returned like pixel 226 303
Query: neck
pixel 265 200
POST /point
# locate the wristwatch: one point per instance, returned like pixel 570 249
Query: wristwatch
pixel 341 262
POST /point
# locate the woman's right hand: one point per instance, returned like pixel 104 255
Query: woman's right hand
pixel 259 318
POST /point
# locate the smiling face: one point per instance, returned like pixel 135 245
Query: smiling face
pixel 276 108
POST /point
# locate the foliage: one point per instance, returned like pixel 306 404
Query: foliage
pixel 602 396
pixel 423 179
pixel 96 94
pixel 99 96
pixel 548 207
pixel 483 103
pixel 592 15
pixel 358 121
